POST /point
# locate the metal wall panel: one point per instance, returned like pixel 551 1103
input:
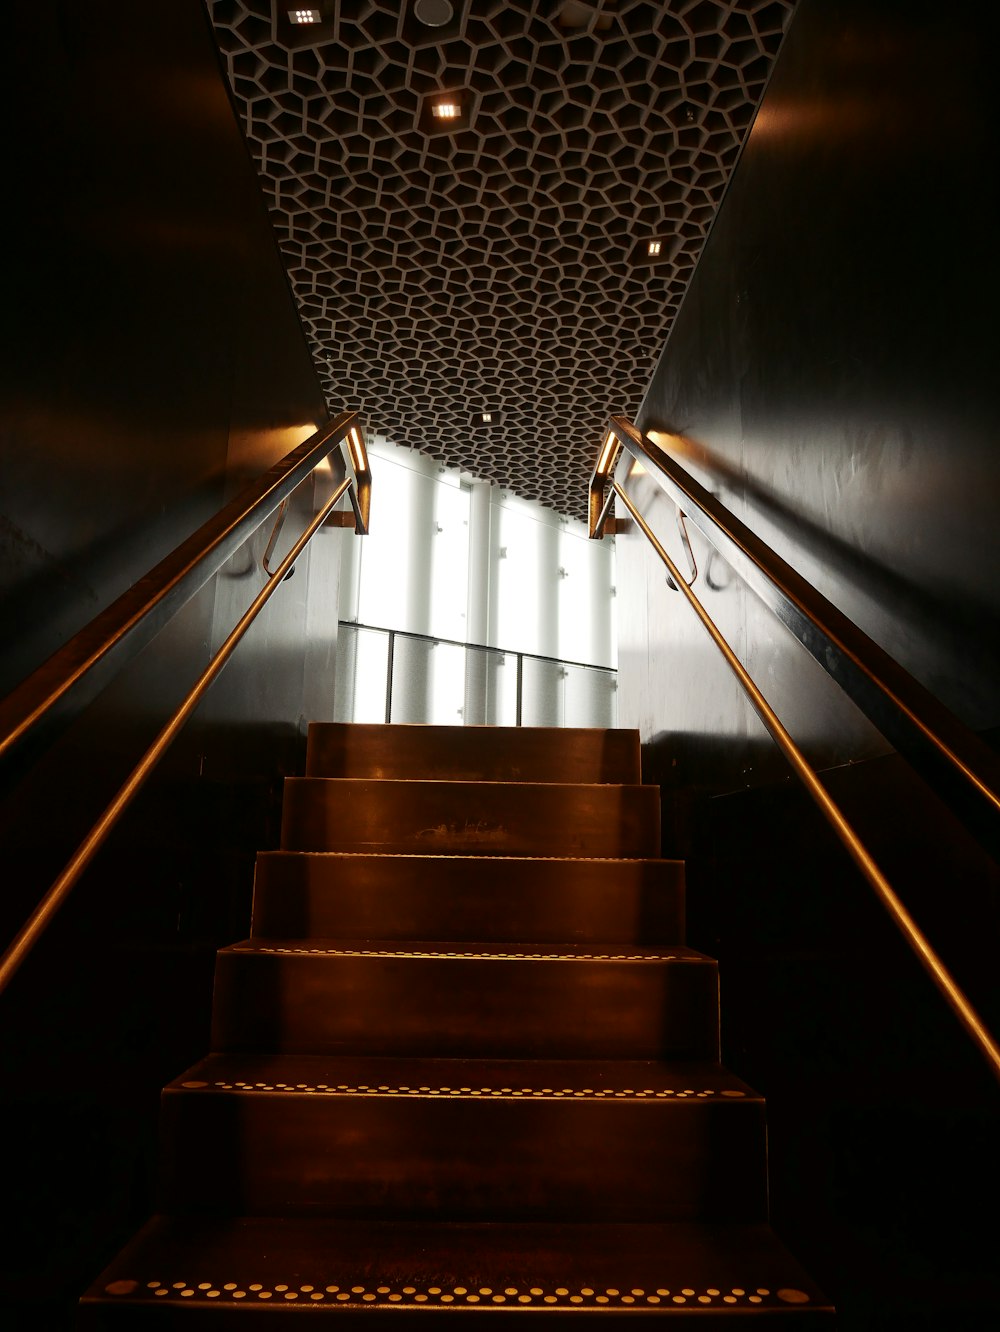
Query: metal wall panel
pixel 832 373
pixel 153 357
pixel 153 361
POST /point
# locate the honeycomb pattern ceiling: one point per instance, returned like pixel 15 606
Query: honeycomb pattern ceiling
pixel 498 262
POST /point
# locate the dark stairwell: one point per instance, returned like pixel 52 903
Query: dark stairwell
pixel 855 268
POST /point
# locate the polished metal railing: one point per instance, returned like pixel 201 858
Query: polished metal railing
pixel 129 623
pixel 522 699
pixel 954 762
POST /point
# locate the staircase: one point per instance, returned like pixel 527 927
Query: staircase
pixel 464 1065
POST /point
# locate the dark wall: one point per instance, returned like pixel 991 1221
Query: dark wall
pixel 832 369
pixel 153 362
pixel 151 346
pixel 831 377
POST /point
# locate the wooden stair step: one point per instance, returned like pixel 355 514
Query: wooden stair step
pixel 473 753
pixel 384 997
pixel 461 818
pixel 370 1272
pixel 464 1139
pixel 328 894
pixel 507 1101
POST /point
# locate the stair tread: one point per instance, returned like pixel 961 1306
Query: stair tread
pixel 468 951
pixel 507 1078
pixel 360 1141
pixel 432 1267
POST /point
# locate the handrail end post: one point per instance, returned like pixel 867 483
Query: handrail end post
pixel 362 508
pixel 603 472
pixel 596 527
pixel 356 453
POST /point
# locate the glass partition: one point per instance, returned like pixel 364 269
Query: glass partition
pixel 490 687
pixel 362 672
pixel 390 675
pixel 559 693
pixel 428 681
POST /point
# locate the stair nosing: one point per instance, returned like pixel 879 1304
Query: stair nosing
pixel 478 782
pixel 475 953
pixel 464 1079
pixel 341 1282
pixel 473 856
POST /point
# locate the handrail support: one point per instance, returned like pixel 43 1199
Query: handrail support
pixel 279 523
pixel 686 541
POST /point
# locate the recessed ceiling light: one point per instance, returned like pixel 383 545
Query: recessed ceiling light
pixel 491 417
pixel 304 16
pixel 654 247
pixel 446 111
pixel 434 13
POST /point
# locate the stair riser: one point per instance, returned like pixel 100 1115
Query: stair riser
pixel 466 1007
pixel 301 896
pixel 474 818
pixel 472 753
pixel 421 1158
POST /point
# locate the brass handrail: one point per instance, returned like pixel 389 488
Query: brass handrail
pixel 942 978
pixel 75 673
pixel 41 917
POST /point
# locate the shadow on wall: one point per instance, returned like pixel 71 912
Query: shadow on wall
pixel 882 1114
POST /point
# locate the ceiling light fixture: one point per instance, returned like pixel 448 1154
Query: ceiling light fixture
pixel 446 111
pixel 491 417
pixel 434 13
pixel 654 247
pixel 304 16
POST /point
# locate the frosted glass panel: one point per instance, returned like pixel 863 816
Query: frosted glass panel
pixel 586 575
pixel 490 688
pixel 413 566
pixel 362 663
pixel 448 558
pixel 517 607
pixel 541 689
pixel 448 684
pixel 589 697
pixel 559 694
pixel 383 596
pixel 428 682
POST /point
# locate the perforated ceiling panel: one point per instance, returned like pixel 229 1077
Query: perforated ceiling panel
pixel 499 262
